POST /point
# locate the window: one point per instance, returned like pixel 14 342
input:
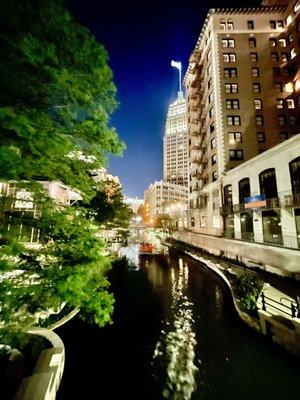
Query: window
pixel 281 120
pixel 236 155
pixel 297 6
pixel 234 137
pixel 284 57
pixel 278 87
pixel 210 97
pixel 209 69
pixel 273 42
pixel 232 104
pixel 283 136
pixel 229 57
pixel 233 120
pixel 230 26
pixel 274 56
pixel 279 103
pixel 259 119
pixel 282 42
pixel 209 83
pixel 213 143
pixel 257 104
pixel 228 43
pixel 292 120
pixel 252 42
pixel 261 137
pixel 250 25
pixel 280 24
pixel 276 71
pixel 293 53
pixel 290 103
pixel 230 72
pixel 253 57
pixel 256 87
pixel 211 111
pixel 212 127
pixel 285 71
pixel 214 159
pixel 231 87
pixel 214 176
pixel 223 26
pixel 255 72
pixel 273 24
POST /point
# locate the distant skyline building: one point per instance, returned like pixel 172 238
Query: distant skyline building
pixel 175 142
pixel 133 202
pixel 161 195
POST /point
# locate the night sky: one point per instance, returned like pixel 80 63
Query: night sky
pixel 142 38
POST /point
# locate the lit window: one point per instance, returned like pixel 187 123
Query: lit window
pixel 213 143
pixel 274 57
pixel 236 155
pixel 257 104
pixel 223 26
pixel 280 24
pixel 234 137
pixel 282 42
pixel 259 119
pixel 228 43
pixel 229 57
pixel 278 87
pixel 272 42
pixel 255 72
pixel 252 42
pixel 273 24
pixel 284 57
pixel 214 176
pixel 233 120
pixel 297 6
pixel 230 26
pixel 290 103
pixel 293 53
pixel 279 103
pixel 230 72
pixel 261 138
pixel 256 88
pixel 214 159
pixel 253 57
pixel 231 87
pixel 232 104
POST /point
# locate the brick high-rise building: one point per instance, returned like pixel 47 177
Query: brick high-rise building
pixel 243 86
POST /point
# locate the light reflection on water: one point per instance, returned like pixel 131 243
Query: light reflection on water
pixel 174 354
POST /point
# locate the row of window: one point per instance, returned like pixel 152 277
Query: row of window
pixel 283 56
pixel 231 57
pixel 274 24
pixel 230 43
pixel 232 72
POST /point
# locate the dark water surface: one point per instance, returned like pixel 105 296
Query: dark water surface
pixel 176 336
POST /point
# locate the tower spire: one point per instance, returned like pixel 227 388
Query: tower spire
pixel 177 64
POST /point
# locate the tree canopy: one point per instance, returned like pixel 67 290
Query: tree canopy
pixel 56 98
pixel 56 95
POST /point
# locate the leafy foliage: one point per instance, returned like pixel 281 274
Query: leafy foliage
pixel 56 95
pixel 247 289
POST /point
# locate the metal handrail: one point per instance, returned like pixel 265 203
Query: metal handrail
pixel 294 306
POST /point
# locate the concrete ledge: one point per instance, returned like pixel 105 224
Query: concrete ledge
pixel 279 260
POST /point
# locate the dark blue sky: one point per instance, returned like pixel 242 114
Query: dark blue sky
pixel 142 38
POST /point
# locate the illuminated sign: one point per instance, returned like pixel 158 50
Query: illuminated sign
pixel 255 201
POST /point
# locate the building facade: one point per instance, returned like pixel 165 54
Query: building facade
pixel 175 143
pixel 243 85
pixel 164 197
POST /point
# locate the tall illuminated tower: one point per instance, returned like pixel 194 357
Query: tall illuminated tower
pixel 176 140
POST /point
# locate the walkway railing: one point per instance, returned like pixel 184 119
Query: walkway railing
pixel 286 306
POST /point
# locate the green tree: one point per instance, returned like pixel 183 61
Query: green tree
pixel 56 98
pixel 56 95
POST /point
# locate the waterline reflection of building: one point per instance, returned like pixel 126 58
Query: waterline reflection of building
pixel 174 354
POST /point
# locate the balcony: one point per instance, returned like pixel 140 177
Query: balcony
pixel 272 203
pixel 292 200
pixel 197 160
pixel 195 132
pixel 225 210
pixel 238 208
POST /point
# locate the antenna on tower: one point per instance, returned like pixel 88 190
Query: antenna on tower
pixel 177 64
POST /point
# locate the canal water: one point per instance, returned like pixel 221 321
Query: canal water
pixel 175 336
